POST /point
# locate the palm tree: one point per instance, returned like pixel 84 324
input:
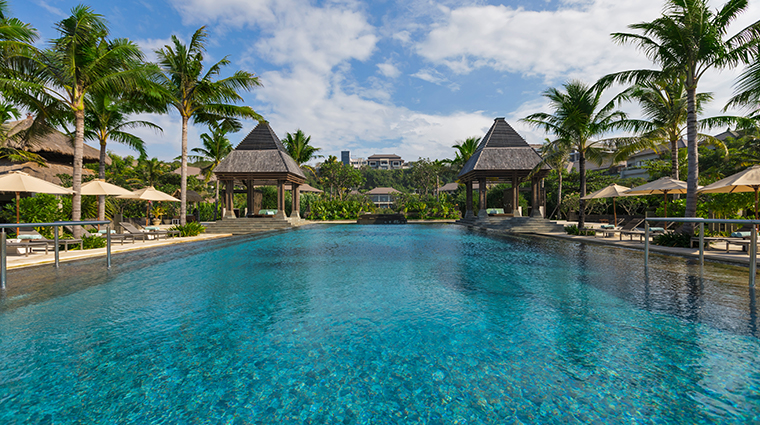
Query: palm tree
pixel 298 147
pixel 195 95
pixel 14 34
pixel 465 149
pixel 557 156
pixel 664 105
pixel 149 171
pixel 578 117
pixel 687 40
pixel 106 118
pixel 81 60
pixel 216 147
pixel 748 90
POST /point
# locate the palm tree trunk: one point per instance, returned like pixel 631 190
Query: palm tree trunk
pixel 216 200
pixel 582 170
pixel 183 182
pixel 76 203
pixel 674 158
pixel 693 155
pixel 559 191
pixel 102 175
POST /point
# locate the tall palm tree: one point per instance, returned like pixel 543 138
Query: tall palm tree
pixel 664 106
pixel 298 147
pixel 195 95
pixel 149 170
pixel 106 117
pixel 557 156
pixel 578 120
pixel 748 90
pixel 15 35
pixel 465 149
pixel 687 40
pixel 81 60
pixel 216 147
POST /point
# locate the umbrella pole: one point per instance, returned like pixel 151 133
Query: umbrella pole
pixel 756 189
pixel 614 211
pixel 18 219
pixel 666 204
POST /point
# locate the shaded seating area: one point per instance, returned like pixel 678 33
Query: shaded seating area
pixel 627 227
pixel 260 160
pixel 25 246
pixel 503 156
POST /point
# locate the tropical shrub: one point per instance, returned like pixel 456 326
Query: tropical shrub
pixel 575 231
pixel 676 239
pixel 189 229
pixel 92 242
pixel 336 209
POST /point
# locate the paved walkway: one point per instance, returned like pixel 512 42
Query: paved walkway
pixel 37 258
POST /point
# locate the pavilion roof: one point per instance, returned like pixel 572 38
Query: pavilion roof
pixel 502 154
pixel 260 155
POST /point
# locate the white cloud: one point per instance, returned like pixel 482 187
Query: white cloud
pixel 434 77
pixel 149 46
pixel 389 70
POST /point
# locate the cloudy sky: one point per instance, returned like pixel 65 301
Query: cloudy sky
pixel 410 77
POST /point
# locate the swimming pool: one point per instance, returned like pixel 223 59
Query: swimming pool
pixel 381 324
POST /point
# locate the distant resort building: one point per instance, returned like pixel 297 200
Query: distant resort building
pixel 385 162
pixel 382 197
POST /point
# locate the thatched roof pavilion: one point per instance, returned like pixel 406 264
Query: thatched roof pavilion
pixel 57 148
pixel 502 156
pixel 261 159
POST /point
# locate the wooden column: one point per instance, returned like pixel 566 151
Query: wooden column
pixel 229 196
pixel 468 193
pixel 515 196
pixel 535 203
pixel 296 211
pixel 250 198
pixel 280 199
pixel 482 198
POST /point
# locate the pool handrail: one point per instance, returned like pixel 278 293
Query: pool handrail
pixel 752 250
pixel 55 226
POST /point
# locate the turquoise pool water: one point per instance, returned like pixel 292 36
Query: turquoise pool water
pixel 382 325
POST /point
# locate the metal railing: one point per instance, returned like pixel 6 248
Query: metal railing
pixel 56 225
pixel 752 249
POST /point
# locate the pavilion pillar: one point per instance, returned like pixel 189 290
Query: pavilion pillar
pixel 229 197
pixel 515 196
pixel 468 193
pixel 482 213
pixel 535 203
pixel 280 199
pixel 296 210
pixel 250 198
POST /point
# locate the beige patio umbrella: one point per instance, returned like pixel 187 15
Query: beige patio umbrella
pixel 743 181
pixel 611 191
pixel 663 185
pixel 17 181
pixel 149 194
pixel 100 187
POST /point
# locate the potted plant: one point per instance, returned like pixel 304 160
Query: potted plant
pixel 157 212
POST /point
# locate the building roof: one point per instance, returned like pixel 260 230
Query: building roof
pixel 48 173
pixel 502 154
pixel 194 171
pixel 54 146
pixel 260 155
pixel 451 187
pixel 382 191
pixel 384 156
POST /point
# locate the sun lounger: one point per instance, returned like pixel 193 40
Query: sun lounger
pixel 627 227
pixel 33 235
pixel 145 235
pixel 120 237
pixel 26 245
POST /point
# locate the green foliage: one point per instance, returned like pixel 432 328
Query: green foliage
pixel 675 239
pixel 337 209
pixel 92 242
pixel 423 208
pixel 40 208
pixel 189 229
pixel 338 177
pixel 575 231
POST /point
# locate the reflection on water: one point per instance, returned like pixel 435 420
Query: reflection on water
pixel 388 324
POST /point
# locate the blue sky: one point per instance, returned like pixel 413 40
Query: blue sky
pixel 389 76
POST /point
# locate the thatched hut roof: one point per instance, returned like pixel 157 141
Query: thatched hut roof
pixel 54 146
pixel 382 191
pixel 45 173
pixel 502 155
pixel 260 156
